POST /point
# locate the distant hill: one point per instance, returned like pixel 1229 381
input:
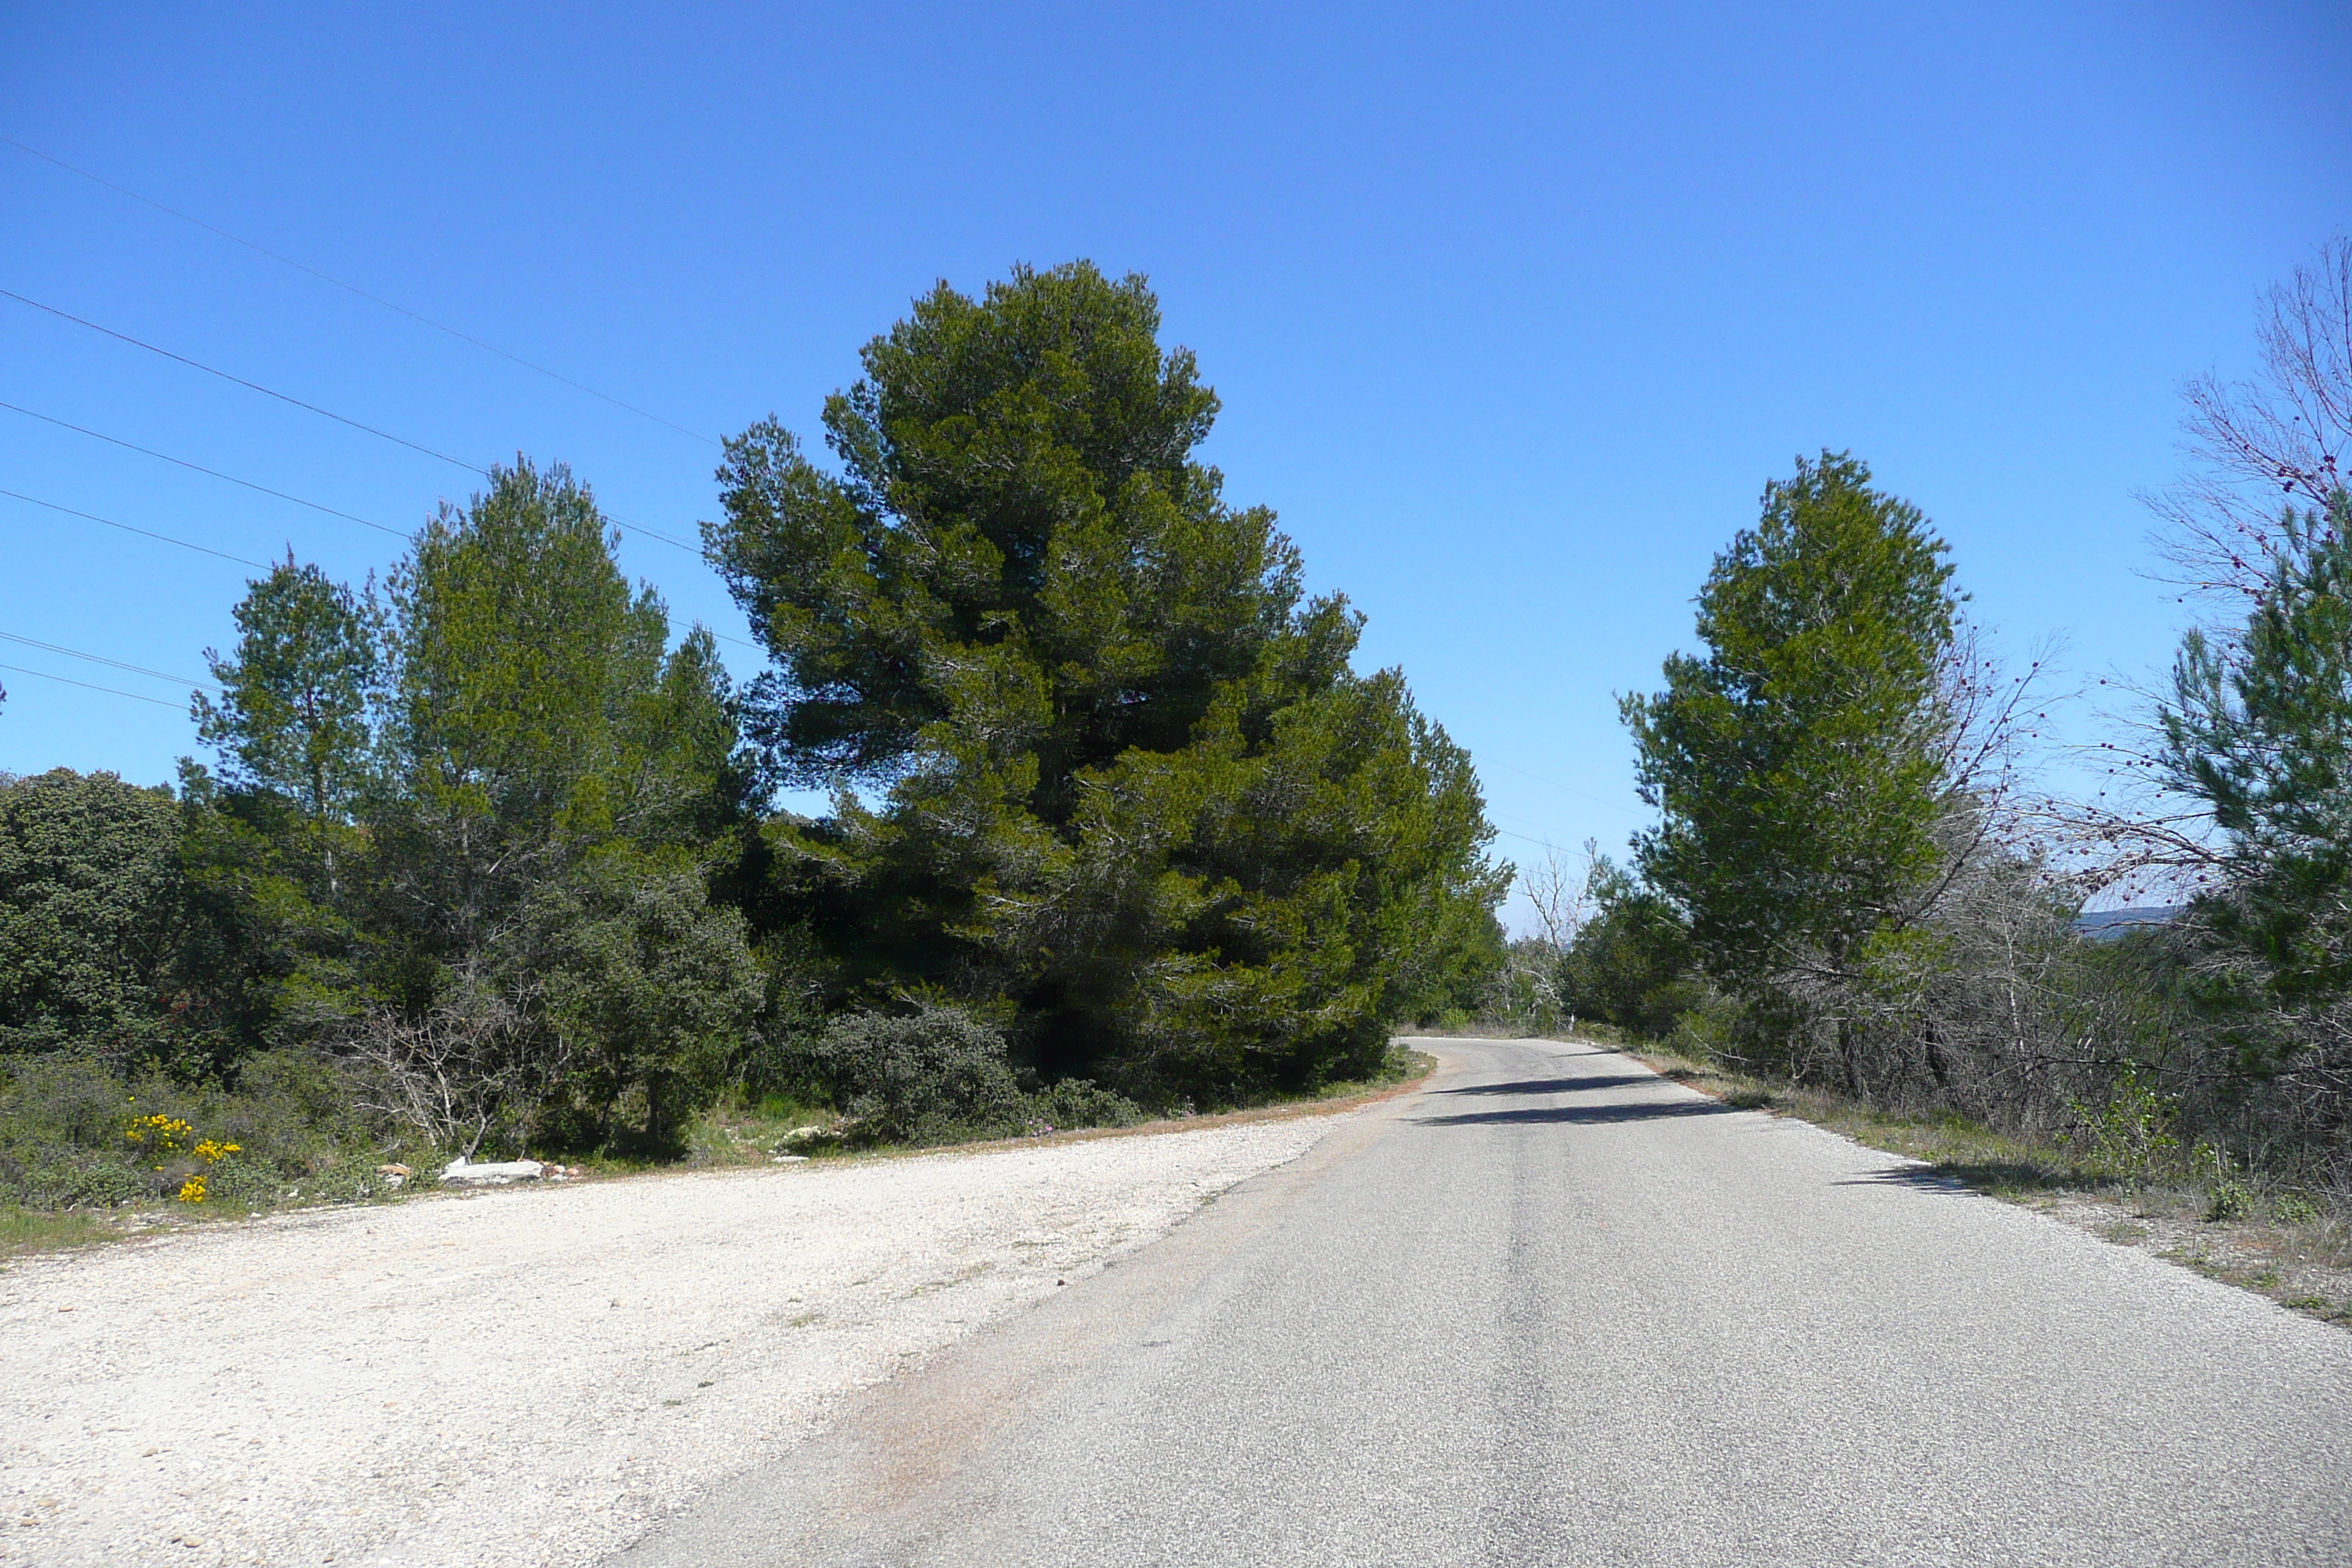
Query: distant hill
pixel 2107 925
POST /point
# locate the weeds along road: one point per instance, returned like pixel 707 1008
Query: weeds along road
pixel 1555 1309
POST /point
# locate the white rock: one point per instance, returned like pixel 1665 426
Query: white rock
pixel 495 1173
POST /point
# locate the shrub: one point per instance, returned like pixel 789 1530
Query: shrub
pixel 2131 1135
pixel 73 1134
pixel 1077 1102
pixel 924 1077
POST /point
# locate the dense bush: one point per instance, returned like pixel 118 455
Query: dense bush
pixel 917 1078
pixel 940 1074
pixel 90 900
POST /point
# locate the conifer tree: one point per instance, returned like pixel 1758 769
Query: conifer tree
pixel 1120 780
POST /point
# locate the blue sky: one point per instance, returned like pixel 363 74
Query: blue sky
pixel 1513 314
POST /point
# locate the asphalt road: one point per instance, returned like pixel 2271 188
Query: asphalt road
pixel 1555 1309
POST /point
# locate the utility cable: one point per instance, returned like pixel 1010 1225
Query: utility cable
pixel 296 401
pixel 354 288
pixel 205 549
pixel 115 663
pixel 199 467
pixel 265 489
pixel 252 386
pixel 86 686
pixel 1530 838
pixel 1564 789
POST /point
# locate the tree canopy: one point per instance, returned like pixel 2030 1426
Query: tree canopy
pixel 1128 788
pixel 1795 767
pixel 2259 728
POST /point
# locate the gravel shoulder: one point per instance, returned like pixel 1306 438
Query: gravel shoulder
pixel 530 1377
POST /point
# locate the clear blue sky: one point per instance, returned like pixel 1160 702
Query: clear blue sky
pixel 1513 312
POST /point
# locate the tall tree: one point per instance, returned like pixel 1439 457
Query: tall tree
pixel 1799 767
pixel 554 779
pixel 1025 612
pixel 2260 730
pixel 294 717
pixel 293 710
pixel 533 713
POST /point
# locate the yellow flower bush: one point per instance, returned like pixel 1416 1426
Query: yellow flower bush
pixel 164 1137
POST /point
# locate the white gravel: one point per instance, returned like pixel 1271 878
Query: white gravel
pixel 533 1376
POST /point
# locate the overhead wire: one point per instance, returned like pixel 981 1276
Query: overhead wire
pixel 312 408
pixel 148 532
pixel 98 658
pixel 88 686
pixel 354 288
pixel 252 386
pixel 198 468
pixel 625 523
pixel 1564 789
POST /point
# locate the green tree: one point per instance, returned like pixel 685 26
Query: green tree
pixel 653 989
pixel 534 713
pixel 90 914
pixel 1128 786
pixel 1630 963
pixel 1798 768
pixel 2260 730
pixel 293 711
pixel 556 783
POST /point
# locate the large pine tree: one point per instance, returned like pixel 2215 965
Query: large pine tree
pixel 1120 782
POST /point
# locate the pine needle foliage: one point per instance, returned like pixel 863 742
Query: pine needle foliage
pixel 1101 766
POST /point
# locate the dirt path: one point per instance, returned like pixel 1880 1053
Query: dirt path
pixel 528 1377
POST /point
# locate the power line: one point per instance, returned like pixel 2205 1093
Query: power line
pixel 116 663
pixel 199 467
pixel 265 489
pixel 1565 789
pixel 240 380
pixel 649 533
pixel 86 686
pixel 354 288
pixel 264 565
pixel 1514 832
pixel 126 528
pixel 290 400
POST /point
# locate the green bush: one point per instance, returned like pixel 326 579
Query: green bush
pixel 940 1074
pixel 924 1077
pixel 2131 1135
pixel 75 1136
pixel 1077 1102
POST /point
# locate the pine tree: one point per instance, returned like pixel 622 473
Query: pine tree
pixel 1120 781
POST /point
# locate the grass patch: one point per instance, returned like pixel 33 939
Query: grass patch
pixel 25 1230
pixel 744 1131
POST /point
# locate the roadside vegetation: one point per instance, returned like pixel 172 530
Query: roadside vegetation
pixel 2117 1175
pixel 1859 905
pixel 485 858
pixel 484 861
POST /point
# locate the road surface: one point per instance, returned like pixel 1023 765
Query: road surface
pixel 1555 1309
